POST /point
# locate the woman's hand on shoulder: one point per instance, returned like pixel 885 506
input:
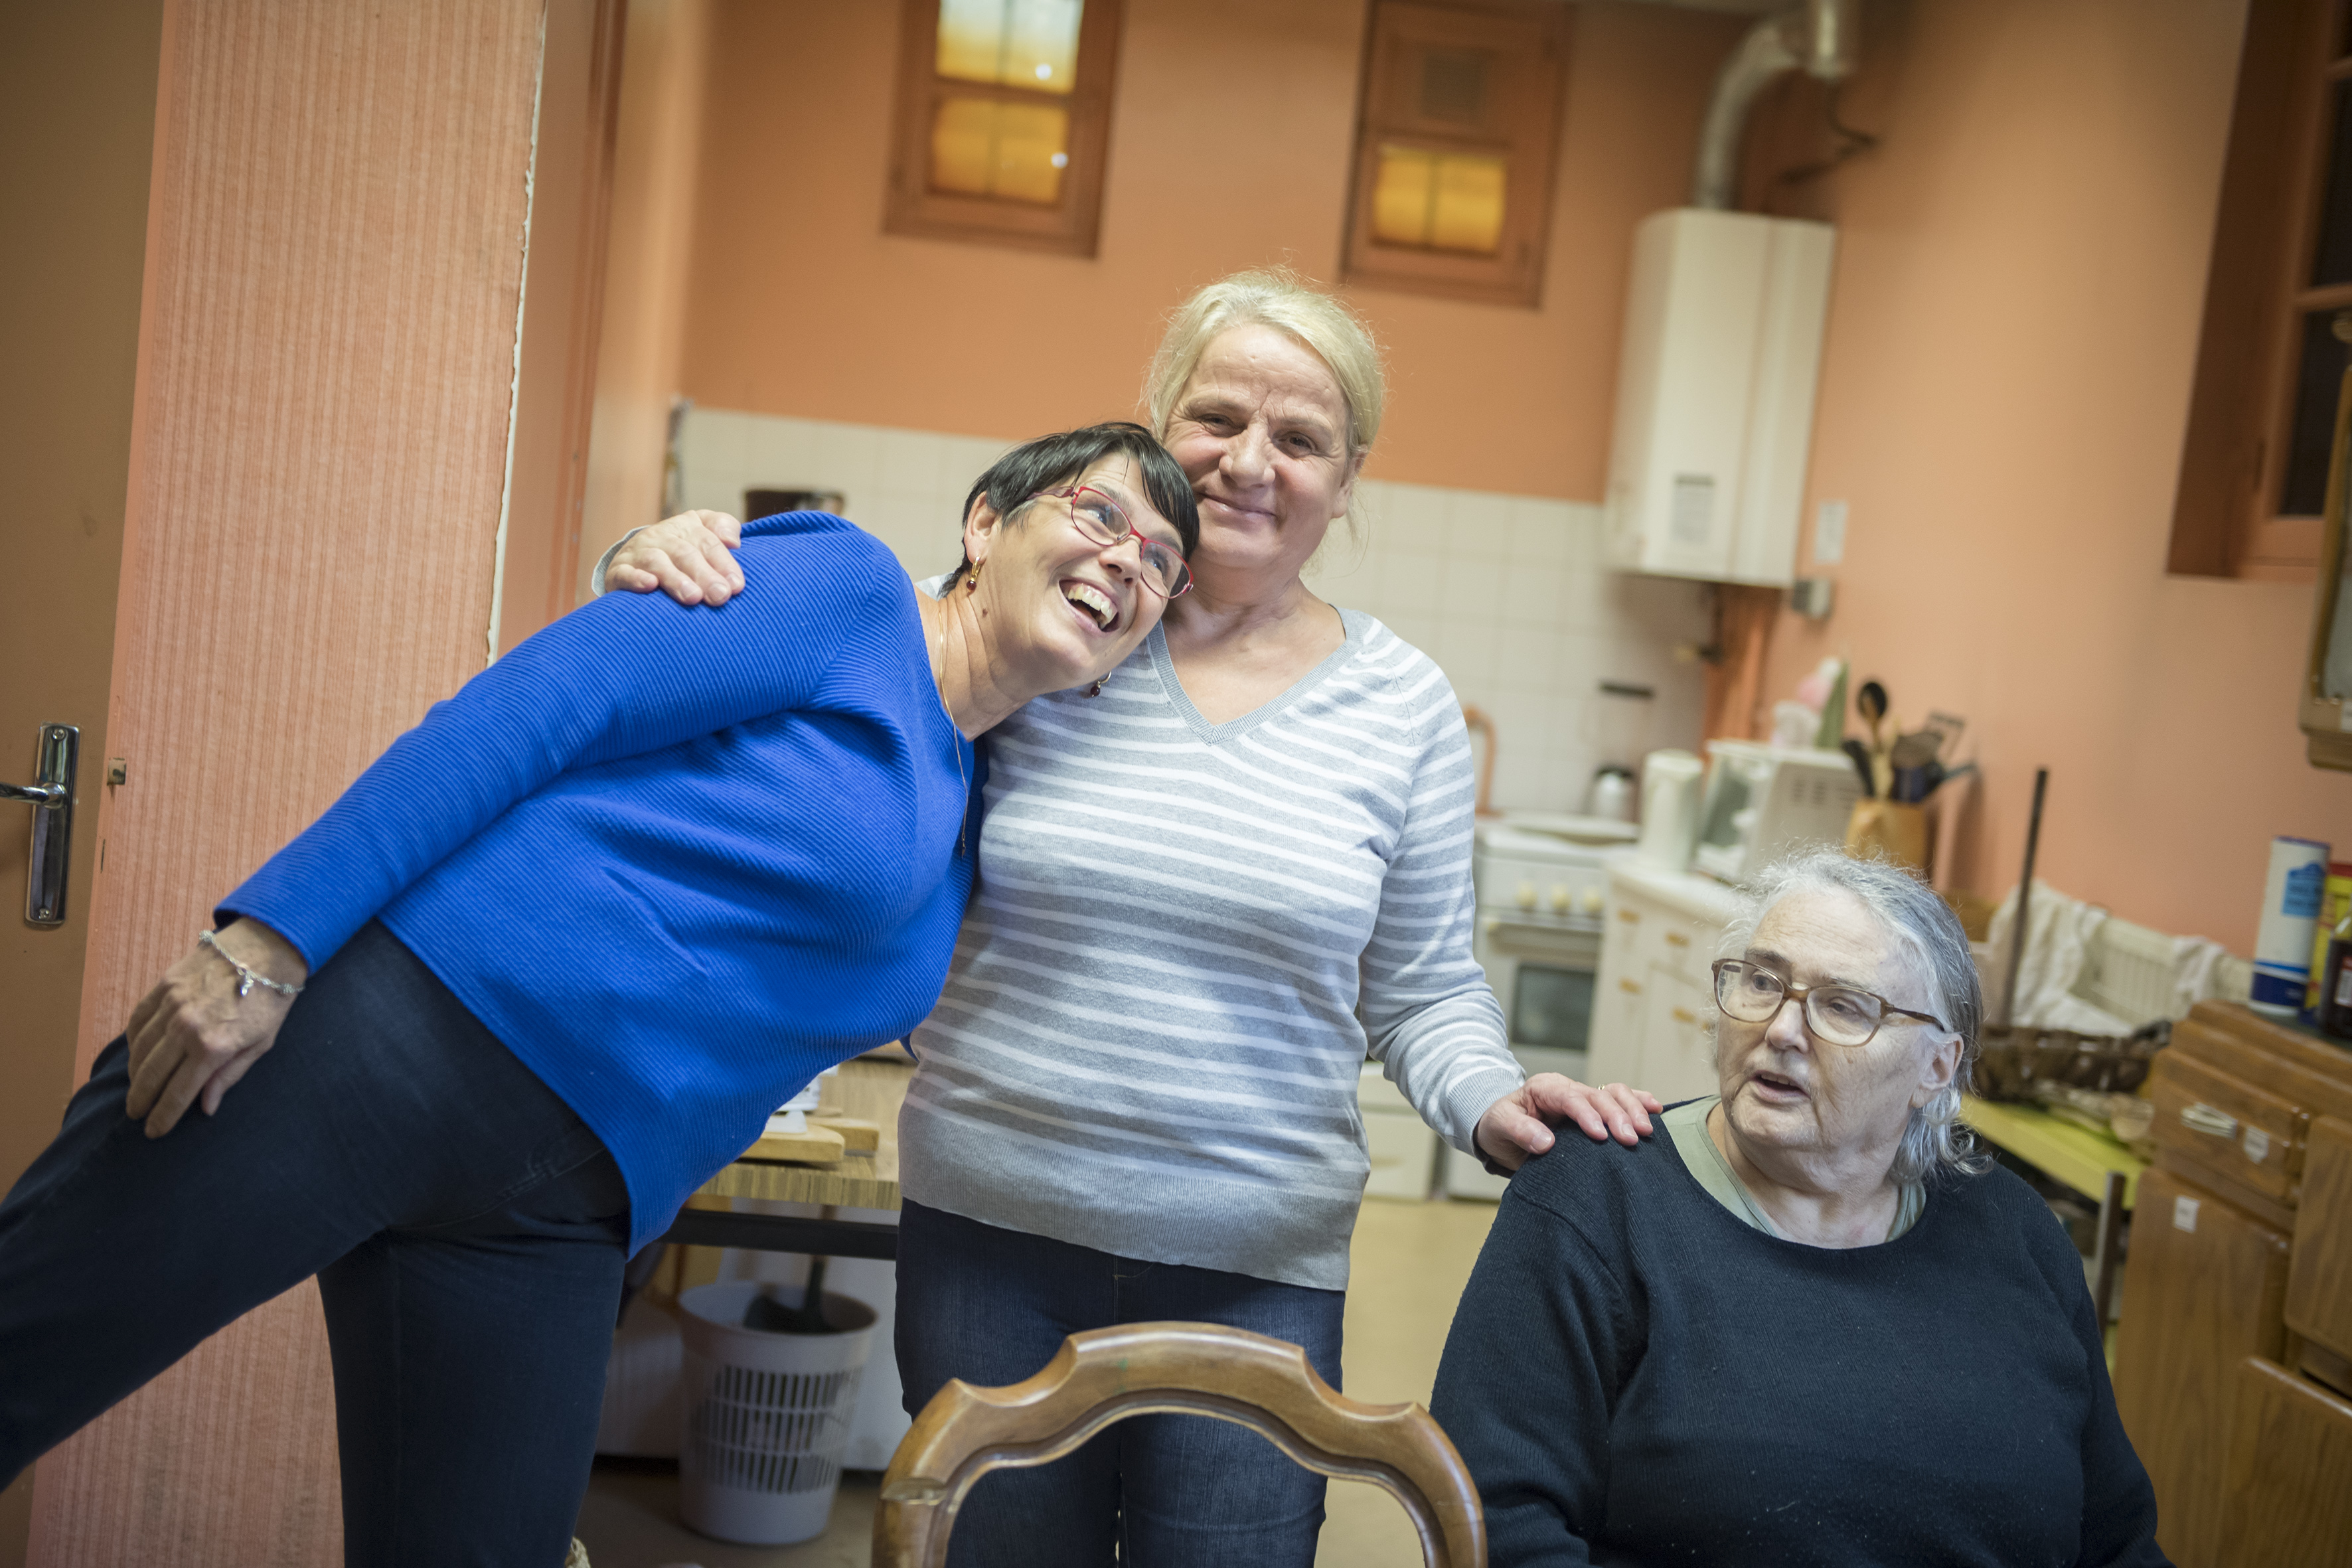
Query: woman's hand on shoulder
pixel 690 557
pixel 1518 1127
pixel 193 1036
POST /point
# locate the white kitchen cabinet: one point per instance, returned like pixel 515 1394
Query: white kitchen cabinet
pixel 1677 1048
pixel 1401 1147
pixel 1654 996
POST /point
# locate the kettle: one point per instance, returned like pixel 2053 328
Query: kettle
pixel 1611 794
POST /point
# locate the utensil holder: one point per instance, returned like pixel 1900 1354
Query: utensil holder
pixel 1889 828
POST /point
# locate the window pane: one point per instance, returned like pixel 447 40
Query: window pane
pixel 1468 211
pixel 1400 197
pixel 1439 201
pixel 2333 262
pixel 2305 493
pixel 1014 151
pixel 1014 43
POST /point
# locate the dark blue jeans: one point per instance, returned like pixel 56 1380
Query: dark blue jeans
pixel 992 1306
pixel 466 1227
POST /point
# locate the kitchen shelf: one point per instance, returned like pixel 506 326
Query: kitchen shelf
pixel 2058 1148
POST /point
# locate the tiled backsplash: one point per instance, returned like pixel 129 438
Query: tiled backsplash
pixel 1506 593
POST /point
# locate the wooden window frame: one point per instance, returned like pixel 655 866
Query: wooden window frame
pixel 2226 519
pixel 1531 34
pixel 1070 225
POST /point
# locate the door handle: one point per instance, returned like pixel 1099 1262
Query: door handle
pixel 51 797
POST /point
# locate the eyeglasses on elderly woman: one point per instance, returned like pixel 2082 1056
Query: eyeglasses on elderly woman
pixel 1105 522
pixel 1840 1015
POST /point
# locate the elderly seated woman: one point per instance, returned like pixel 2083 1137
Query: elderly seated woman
pixel 1806 1326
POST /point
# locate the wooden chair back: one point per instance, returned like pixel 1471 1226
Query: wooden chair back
pixel 1107 1375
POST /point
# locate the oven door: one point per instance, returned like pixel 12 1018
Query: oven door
pixel 1543 972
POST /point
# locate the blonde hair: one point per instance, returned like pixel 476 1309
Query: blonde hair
pixel 1279 298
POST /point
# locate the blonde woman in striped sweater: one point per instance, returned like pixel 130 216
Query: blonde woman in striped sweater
pixel 1205 896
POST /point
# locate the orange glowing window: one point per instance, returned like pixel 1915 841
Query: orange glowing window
pixel 1454 142
pixel 1030 44
pixel 1002 120
pixel 1440 201
pixel 1013 151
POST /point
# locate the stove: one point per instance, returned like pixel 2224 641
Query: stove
pixel 1543 888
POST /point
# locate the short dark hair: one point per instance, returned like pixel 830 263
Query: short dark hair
pixel 1051 460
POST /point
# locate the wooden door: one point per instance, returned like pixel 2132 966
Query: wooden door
pixel 317 464
pixel 2319 1285
pixel 2289 1486
pixel 76 122
pixel 2203 1291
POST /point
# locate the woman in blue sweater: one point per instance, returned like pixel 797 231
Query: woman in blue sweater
pixel 542 970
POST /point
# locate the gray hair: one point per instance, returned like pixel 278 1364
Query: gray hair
pixel 1935 1143
pixel 1279 298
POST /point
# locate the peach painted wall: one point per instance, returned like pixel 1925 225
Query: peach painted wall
pixel 1230 146
pixel 664 57
pixel 2019 285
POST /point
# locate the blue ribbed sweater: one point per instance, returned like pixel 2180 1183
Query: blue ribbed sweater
pixel 679 863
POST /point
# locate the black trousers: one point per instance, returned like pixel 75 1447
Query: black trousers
pixel 466 1228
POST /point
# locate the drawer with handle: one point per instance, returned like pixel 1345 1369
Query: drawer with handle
pixel 2227 1125
pixel 1677 947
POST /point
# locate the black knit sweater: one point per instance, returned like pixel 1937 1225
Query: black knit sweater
pixel 1635 1376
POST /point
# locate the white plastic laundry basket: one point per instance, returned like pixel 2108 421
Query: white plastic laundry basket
pixel 767 1415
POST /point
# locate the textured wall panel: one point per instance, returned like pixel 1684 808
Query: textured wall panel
pixel 333 267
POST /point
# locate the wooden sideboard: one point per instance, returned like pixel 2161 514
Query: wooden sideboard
pixel 2233 1360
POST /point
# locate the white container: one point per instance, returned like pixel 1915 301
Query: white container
pixel 1763 802
pixel 1721 354
pixel 1669 808
pixel 767 1415
pixel 2291 895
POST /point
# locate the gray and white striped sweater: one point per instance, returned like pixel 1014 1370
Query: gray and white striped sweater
pixel 1185 940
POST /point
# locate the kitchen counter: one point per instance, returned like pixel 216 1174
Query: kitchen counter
pixel 868 1089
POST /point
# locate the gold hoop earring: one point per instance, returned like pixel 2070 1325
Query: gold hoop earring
pixel 1096 689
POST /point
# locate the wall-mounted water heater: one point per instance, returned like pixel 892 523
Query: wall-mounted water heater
pixel 1715 394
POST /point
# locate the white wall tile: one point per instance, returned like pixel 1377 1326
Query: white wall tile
pixel 1413 582
pixel 1410 518
pixel 1588 538
pixel 1420 630
pixel 1526 659
pixel 776 454
pixel 1465 650
pixel 909 462
pixel 712 438
pixel 1479 524
pixel 1474 589
pixel 1533 597
pixel 1542 532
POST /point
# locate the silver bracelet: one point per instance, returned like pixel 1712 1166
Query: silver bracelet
pixel 246 977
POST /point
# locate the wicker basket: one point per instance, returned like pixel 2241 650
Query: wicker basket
pixel 2011 1061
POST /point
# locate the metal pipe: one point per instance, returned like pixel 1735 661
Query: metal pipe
pixel 1821 39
